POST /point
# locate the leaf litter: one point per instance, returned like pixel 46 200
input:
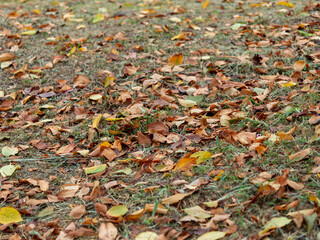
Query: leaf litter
pixel 158 120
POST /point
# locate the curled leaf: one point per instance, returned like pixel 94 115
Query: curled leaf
pixel 8 170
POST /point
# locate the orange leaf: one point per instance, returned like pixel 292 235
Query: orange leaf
pixel 6 57
pixel 175 60
pixel 299 65
pixel 135 215
pixel 185 164
pixel 160 208
pixel 205 4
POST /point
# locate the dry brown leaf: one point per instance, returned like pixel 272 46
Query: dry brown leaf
pixel 81 81
pixel 107 231
pixel 129 69
pixel 44 185
pixel 101 208
pixel 300 155
pixel 158 127
pixel 143 139
pixel 77 212
pixel 175 198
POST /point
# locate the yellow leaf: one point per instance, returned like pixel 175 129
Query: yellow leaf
pixel 9 215
pixel 109 80
pixel 275 223
pixel 146 236
pixel 212 235
pixel 96 121
pixel 287 4
pixel 95 97
pixel 180 36
pixel 212 204
pixel 95 169
pixel 202 156
pixel 30 32
pixel 36 11
pixel 187 103
pixel 197 212
pixel 8 170
pixel 105 144
pixel 98 18
pixel 205 4
pixel 175 60
pixel 288 84
pixel 117 211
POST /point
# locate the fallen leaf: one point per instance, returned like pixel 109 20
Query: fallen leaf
pixel 96 121
pixel 175 60
pixel 117 211
pixel 275 223
pixel 9 151
pixel 9 215
pixel 77 212
pixel 146 236
pixel 95 169
pixel 30 32
pixel 205 4
pixel 300 155
pixel 299 65
pixel 174 199
pixel 8 170
pixel 212 204
pixel 6 57
pixel 143 139
pixel 185 164
pixel 80 81
pixel 212 235
pixel 158 127
pixel 201 156
pixel 197 212
pixel 98 18
pixel 187 103
pixel 107 231
pixel 126 171
pixel 46 212
pixel 287 4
